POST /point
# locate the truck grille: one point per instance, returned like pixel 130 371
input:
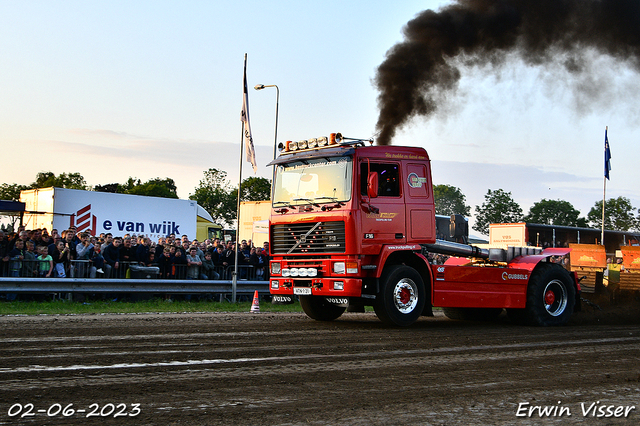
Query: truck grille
pixel 308 238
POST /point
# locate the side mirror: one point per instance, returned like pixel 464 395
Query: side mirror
pixel 372 185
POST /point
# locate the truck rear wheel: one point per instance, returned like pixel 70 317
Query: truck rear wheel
pixel 402 296
pixel 550 297
pixel 317 308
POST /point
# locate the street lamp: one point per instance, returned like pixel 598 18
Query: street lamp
pixel 260 87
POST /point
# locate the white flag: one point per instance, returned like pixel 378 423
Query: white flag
pixel 248 140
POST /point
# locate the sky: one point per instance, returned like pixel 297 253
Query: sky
pixel 154 89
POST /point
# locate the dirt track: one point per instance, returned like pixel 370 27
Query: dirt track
pixel 284 369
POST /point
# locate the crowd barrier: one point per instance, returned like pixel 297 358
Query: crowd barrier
pixel 86 269
pixel 82 278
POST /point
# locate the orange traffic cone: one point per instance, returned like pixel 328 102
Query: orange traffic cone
pixel 255 306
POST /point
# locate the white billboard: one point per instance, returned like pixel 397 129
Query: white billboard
pixel 119 214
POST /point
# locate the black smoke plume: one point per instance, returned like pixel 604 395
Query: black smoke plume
pixel 426 66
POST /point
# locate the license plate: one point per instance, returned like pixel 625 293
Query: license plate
pixel 302 290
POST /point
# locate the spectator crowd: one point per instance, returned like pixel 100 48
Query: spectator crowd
pixel 36 253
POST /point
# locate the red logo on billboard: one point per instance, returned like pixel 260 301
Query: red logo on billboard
pixel 84 221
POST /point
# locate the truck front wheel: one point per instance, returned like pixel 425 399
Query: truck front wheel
pixel 550 297
pixel 317 308
pixel 402 296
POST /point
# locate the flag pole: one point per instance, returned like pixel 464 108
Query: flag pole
pixel 607 157
pixel 604 193
pixel 234 281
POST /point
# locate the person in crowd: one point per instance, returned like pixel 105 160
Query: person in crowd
pixel 245 251
pixel 74 237
pixel 209 267
pixel 178 265
pixel 164 263
pixel 185 247
pixel 127 252
pixel 16 256
pixel 4 254
pixel 22 236
pixel 159 248
pixel 199 252
pixel 111 255
pixel 142 251
pixel 218 257
pixel 36 237
pixel 61 258
pixel 84 253
pixel 194 263
pixel 151 261
pixel 29 268
pixel 45 262
pixel 260 262
pixel 69 237
pixel 97 259
pixel 45 239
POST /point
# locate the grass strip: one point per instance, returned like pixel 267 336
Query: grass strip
pixel 23 307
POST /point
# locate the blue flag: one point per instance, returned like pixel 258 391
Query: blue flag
pixel 607 156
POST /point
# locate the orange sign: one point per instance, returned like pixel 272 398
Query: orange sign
pixel 630 257
pixel 588 255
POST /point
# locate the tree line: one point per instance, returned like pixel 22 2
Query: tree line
pixel 214 192
pixel 500 207
pixel 219 197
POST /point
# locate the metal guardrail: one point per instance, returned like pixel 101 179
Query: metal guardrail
pixel 129 285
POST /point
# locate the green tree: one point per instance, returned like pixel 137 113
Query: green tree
pixel 109 187
pixel 498 207
pixel 619 215
pixel 214 195
pixel 255 189
pixel 450 200
pixel 11 192
pixel 157 187
pixel 553 212
pixel 64 180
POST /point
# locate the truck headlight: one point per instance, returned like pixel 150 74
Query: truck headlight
pixel 275 268
pixel 345 268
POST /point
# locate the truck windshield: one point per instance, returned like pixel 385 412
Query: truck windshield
pixel 316 180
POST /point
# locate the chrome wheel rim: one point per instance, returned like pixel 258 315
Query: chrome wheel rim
pixel 555 298
pixel 405 296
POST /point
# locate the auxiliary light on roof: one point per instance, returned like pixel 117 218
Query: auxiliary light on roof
pixel 313 143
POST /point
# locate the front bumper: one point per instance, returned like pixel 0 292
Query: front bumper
pixel 326 286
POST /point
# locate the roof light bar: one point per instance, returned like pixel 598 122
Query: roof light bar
pixel 321 142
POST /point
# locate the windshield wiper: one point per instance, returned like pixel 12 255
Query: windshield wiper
pixel 283 203
pixel 309 200
pixel 332 199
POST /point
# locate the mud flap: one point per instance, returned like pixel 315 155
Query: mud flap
pixel 428 310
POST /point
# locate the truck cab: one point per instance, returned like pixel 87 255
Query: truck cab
pixel 352 224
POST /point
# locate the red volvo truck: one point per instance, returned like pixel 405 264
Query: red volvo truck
pixel 353 225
